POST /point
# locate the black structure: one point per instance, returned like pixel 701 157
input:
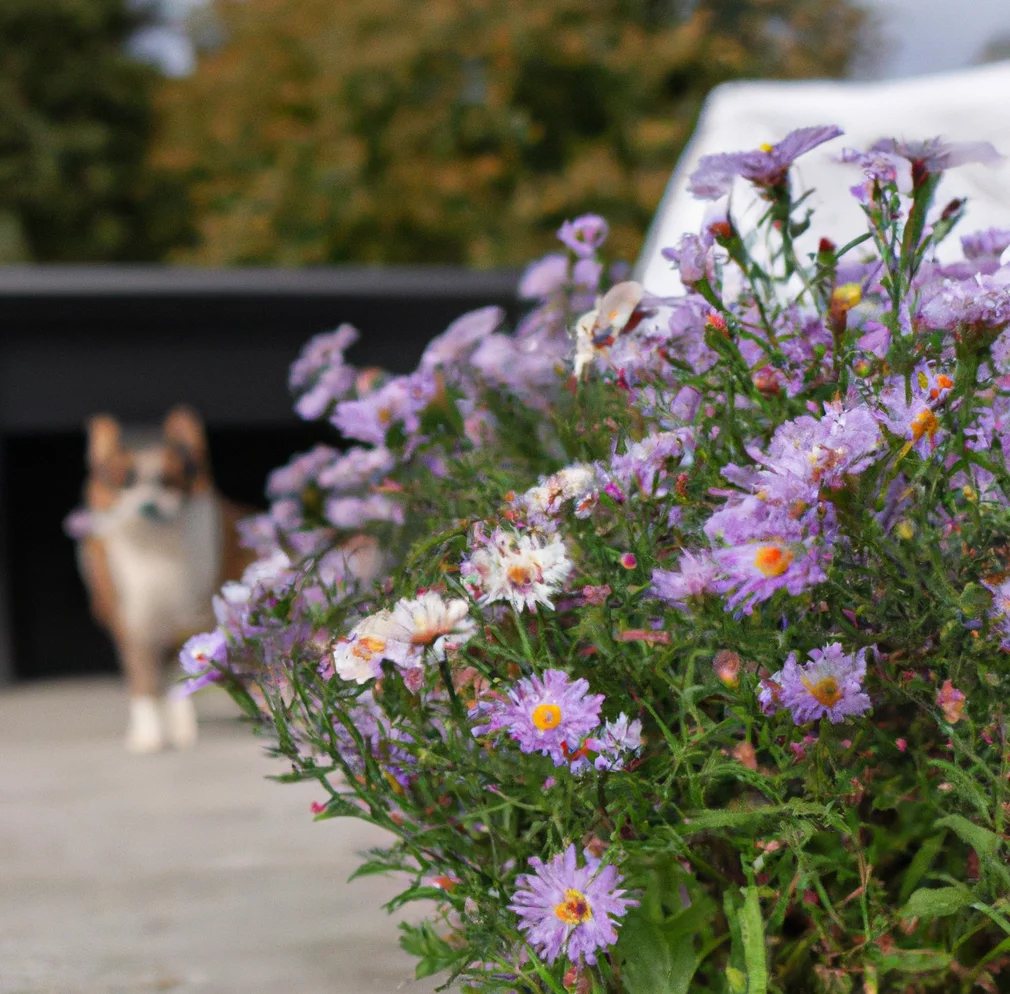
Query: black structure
pixel 136 340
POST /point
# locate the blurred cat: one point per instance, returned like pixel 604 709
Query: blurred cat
pixel 154 544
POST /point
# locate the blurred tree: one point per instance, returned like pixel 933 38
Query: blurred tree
pixel 75 122
pixel 461 130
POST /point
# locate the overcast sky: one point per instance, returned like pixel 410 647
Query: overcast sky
pixel 924 36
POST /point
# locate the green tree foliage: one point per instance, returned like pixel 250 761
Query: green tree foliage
pixel 461 130
pixel 75 122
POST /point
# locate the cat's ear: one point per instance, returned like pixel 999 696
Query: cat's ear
pixel 104 439
pixel 184 433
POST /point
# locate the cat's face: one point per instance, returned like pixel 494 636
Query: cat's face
pixel 148 481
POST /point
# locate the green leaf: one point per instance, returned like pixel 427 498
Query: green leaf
pixel 371 868
pixel 655 962
pixel 915 960
pixel 921 862
pixel 984 842
pixel 432 950
pixel 753 933
pixel 935 903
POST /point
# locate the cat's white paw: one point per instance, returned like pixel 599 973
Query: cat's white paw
pixel 180 721
pixel 144 732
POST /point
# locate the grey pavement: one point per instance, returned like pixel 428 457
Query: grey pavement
pixel 186 872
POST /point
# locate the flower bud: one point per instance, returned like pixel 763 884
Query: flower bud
pixel 726 665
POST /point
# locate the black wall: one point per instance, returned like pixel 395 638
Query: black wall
pixel 134 342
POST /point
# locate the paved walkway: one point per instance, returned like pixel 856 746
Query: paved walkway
pixel 181 872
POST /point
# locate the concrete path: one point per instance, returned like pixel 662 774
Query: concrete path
pixel 181 872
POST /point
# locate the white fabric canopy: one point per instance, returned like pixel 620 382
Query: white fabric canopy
pixel 970 105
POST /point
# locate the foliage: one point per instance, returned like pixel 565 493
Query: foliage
pixel 722 607
pixel 461 131
pixel 75 122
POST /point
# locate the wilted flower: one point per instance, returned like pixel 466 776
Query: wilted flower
pixel 829 685
pixel 726 666
pixel 950 700
pixel 615 741
pixel 567 909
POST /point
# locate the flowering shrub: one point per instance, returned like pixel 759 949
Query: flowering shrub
pixel 667 638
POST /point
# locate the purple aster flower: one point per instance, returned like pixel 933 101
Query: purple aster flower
pixel 202 657
pixel 400 401
pixel 544 278
pixel 767 167
pixel 915 419
pixel 319 353
pixel 935 155
pixel 615 742
pixel 992 243
pixel 525 366
pixel 999 610
pixel 844 442
pixel 752 572
pixel 461 337
pixel 350 513
pixel 584 235
pixel 643 466
pixel 551 715
pixel 980 304
pixel 567 909
pixel 694 577
pixel 829 685
pixel 881 169
pixel 356 468
pixel 332 385
pixel 302 470
pixel 586 274
pixel 694 256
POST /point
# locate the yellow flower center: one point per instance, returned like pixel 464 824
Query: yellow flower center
pixel 772 560
pixel 368 646
pixel 765 147
pixel 924 423
pixel 385 415
pixel 546 716
pixel 574 909
pixel 826 691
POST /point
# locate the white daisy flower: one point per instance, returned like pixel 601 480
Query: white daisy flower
pixel 524 570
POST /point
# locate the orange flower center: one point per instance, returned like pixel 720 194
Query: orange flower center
pixel 519 575
pixel 772 560
pixel 385 415
pixel 367 646
pixel 574 909
pixel 924 423
pixel 943 382
pixel 826 691
pixel 546 716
